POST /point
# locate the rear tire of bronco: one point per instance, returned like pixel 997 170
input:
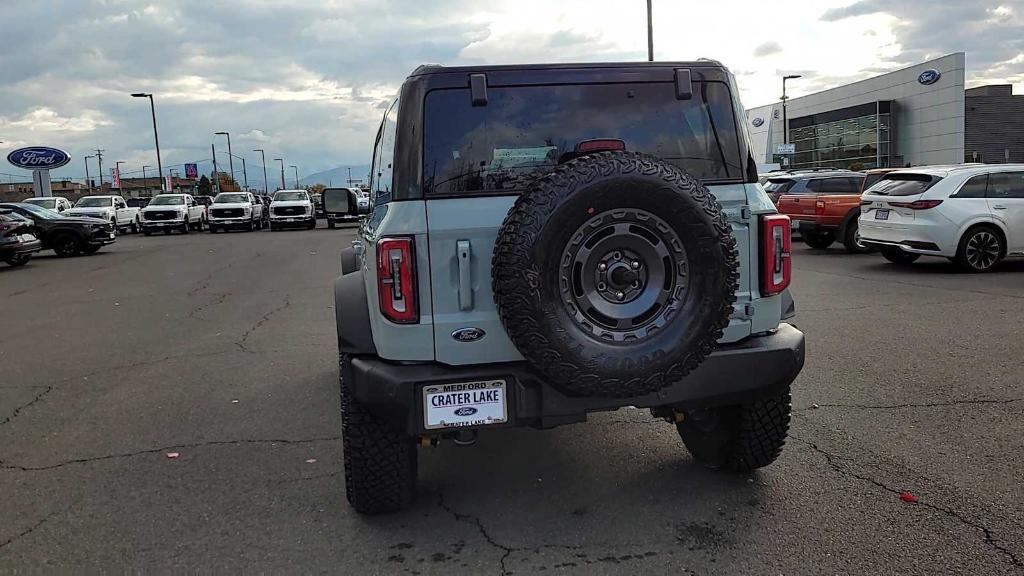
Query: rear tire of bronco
pixel 380 461
pixel 615 294
pixel 819 240
pixel 738 438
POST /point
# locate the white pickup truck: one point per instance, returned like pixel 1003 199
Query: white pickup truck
pixel 239 210
pixel 168 212
pixel 113 209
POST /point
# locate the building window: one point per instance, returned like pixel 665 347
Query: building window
pixel 856 138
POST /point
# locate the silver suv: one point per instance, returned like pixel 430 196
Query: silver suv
pixel 547 241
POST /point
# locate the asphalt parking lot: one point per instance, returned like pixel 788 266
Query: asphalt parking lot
pixel 221 348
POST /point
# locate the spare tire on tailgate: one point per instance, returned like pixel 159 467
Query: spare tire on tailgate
pixel 615 274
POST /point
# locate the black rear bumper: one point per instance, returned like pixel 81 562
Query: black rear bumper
pixel 733 374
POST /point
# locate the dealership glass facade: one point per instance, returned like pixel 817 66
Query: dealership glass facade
pixel 858 137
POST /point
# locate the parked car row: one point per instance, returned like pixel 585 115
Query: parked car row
pixel 26 228
pixel 972 214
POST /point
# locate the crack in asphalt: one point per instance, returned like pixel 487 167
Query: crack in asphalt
pixel 205 282
pixel 245 336
pixel 18 410
pixel 989 538
pixel 36 526
pixel 221 297
pixel 506 550
pixel 6 466
pixel 913 405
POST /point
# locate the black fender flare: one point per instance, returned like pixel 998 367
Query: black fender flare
pixel 351 310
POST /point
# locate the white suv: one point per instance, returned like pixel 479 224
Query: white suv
pixel 972 214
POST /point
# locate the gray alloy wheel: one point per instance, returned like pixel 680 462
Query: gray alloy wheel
pixel 980 250
pixel 627 272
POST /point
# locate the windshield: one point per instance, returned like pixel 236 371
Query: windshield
pixel 903 184
pixel 524 131
pixel 167 201
pixel 290 195
pixel 50 203
pixel 94 202
pixel 44 213
pixel 231 199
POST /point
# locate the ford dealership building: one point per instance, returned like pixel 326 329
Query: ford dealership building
pixel 914 116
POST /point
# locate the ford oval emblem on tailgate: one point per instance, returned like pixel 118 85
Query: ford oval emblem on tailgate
pixel 468 334
pixel 465 411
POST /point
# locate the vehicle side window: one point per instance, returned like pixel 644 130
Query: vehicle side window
pixel 816 185
pixel 973 188
pixel 384 157
pixel 1006 185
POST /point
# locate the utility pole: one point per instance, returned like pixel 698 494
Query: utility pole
pixel 245 175
pixel 785 123
pixel 263 160
pixel 99 158
pixel 294 167
pixel 650 32
pixel 350 176
pixel 88 181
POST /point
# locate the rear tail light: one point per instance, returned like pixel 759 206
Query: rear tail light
pixel 819 207
pixel 776 260
pixel 396 280
pixel 917 204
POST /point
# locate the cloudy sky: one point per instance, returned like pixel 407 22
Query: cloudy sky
pixel 307 80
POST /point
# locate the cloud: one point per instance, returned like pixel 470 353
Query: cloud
pixel 767 49
pixel 45 119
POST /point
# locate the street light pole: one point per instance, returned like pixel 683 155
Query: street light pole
pixel 281 160
pixel 650 32
pixel 263 159
pixel 785 121
pixel 294 167
pixel 156 135
pixel 245 175
pixel 231 160
pixel 88 181
pixel 120 181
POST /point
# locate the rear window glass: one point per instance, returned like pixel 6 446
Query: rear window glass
pixel 524 131
pixel 778 185
pixel 871 179
pixel 903 184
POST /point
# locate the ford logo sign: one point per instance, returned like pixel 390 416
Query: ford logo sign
pixel 757 122
pixel 38 158
pixel 929 77
pixel 468 334
pixel 466 411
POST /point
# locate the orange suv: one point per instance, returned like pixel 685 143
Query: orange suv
pixel 823 205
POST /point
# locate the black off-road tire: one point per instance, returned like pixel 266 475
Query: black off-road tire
pixel 581 359
pixel 380 460
pixel 897 256
pixel 67 244
pixel 819 240
pixel 738 438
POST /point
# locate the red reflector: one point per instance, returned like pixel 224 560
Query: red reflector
pixel 776 260
pixel 600 144
pixel 917 205
pixel 396 280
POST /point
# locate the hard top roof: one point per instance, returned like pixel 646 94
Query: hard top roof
pixel 428 69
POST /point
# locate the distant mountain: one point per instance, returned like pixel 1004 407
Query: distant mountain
pixel 337 176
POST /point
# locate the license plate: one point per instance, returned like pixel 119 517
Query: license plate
pixel 27 238
pixel 464 404
pixel 881 214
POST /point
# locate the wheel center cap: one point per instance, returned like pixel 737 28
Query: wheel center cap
pixel 621 275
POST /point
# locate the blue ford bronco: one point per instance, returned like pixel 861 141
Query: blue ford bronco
pixel 546 241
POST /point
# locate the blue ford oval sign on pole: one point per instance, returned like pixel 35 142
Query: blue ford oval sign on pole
pixel 40 160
